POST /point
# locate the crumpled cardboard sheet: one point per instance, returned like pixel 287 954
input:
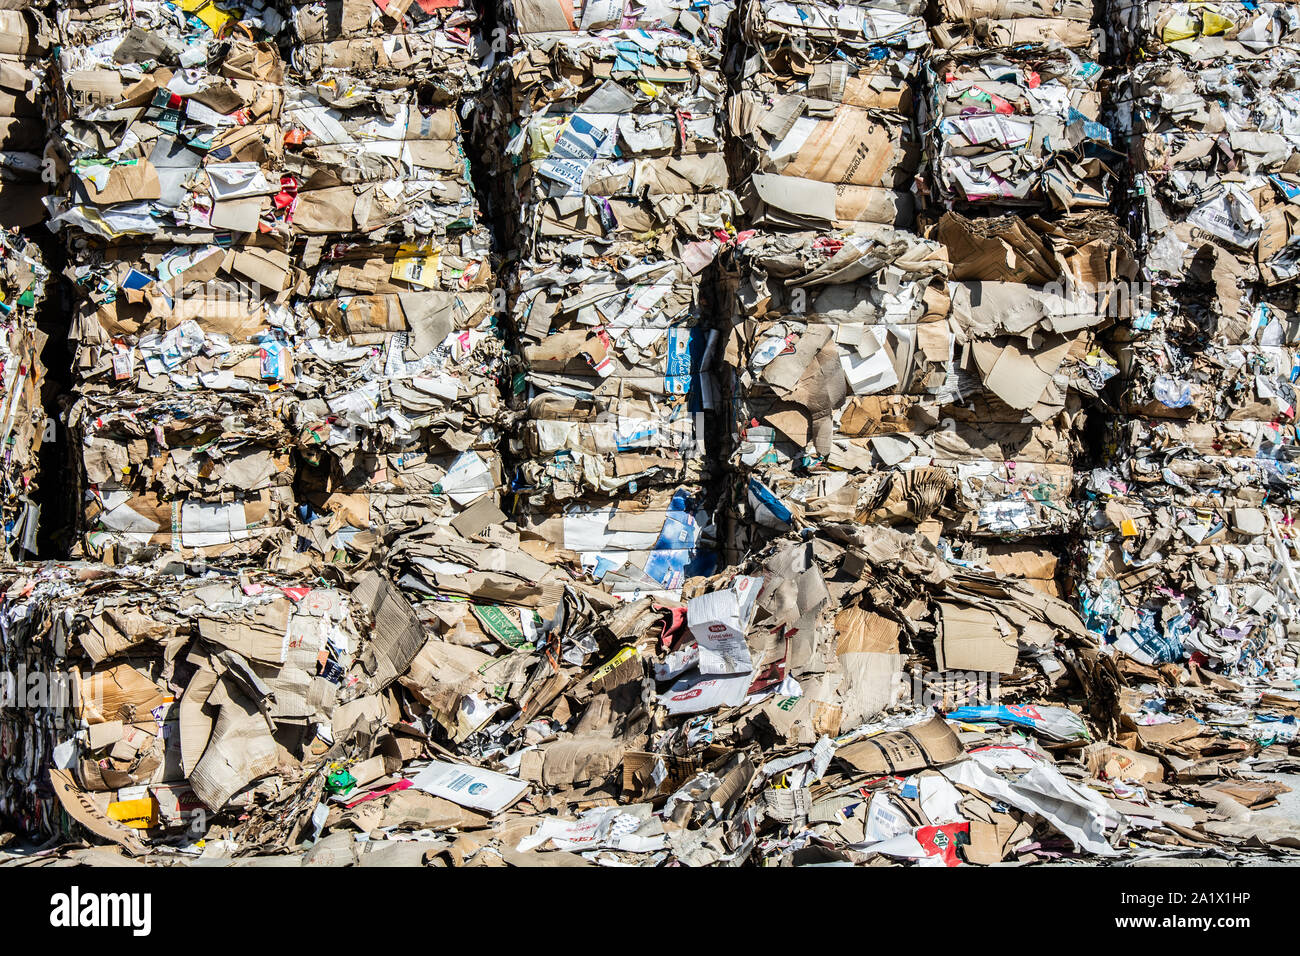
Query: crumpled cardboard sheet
pixel 1080 253
pixel 483 559
pixel 206 475
pixel 1019 129
pixel 23 92
pixel 191 694
pixel 1178 30
pixel 23 280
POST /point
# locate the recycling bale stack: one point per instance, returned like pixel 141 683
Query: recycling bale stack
pixel 25 37
pixel 24 49
pixel 23 427
pixel 1212 112
pixel 1188 551
pixel 614 198
pixel 1022 167
pixel 923 410
pixel 1188 559
pixel 875 356
pixel 830 283
pixel 174 216
pixel 843 351
pixel 398 412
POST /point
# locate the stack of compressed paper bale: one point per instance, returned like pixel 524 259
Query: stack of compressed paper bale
pixel 24 46
pixel 175 218
pixel 23 278
pixel 1189 555
pixel 399 414
pixel 1022 170
pixel 614 195
pixel 830 289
